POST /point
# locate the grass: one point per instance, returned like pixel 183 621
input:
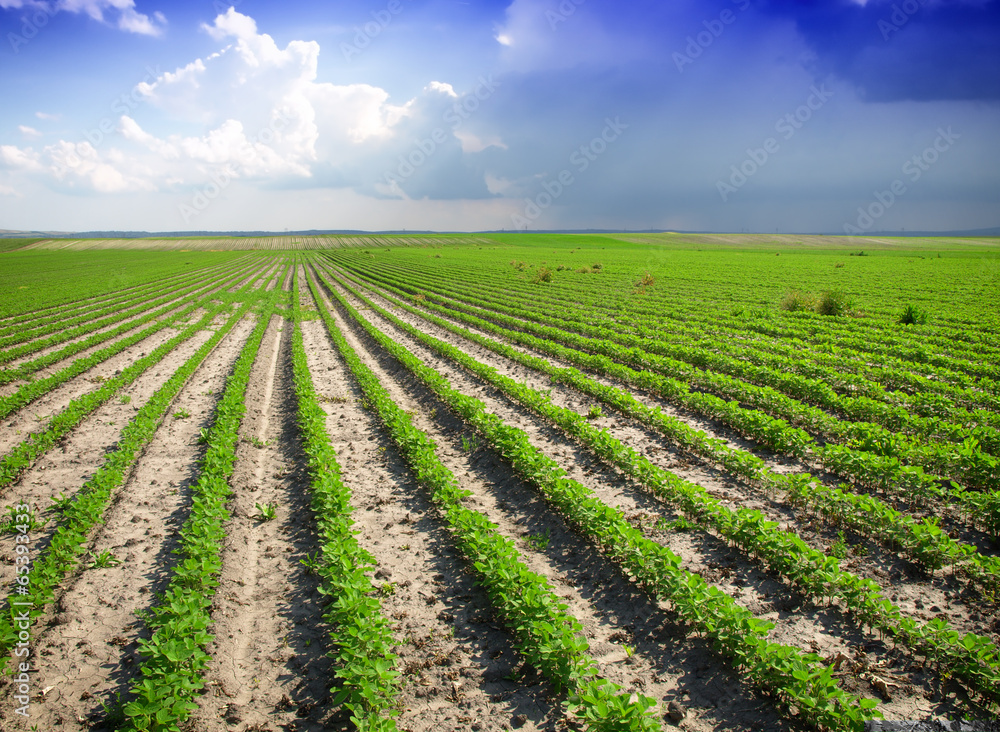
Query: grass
pixel 913 315
pixel 834 303
pixel 795 301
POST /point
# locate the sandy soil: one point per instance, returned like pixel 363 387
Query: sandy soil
pixel 87 654
pixel 271 668
pixel 799 622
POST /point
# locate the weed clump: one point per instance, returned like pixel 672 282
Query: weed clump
pixel 544 274
pixel 795 301
pixel 834 302
pixel 913 315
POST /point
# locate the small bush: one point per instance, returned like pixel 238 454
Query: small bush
pixel 795 301
pixel 862 253
pixel 833 303
pixel 598 266
pixel 544 274
pixel 913 315
pixel 838 265
pixel 647 280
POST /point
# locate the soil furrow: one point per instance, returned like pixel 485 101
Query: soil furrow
pixel 912 589
pixel 609 615
pixel 825 629
pixel 86 655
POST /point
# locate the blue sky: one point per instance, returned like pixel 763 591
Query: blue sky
pixel 725 115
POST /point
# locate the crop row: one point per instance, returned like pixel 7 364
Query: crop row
pixel 798 678
pixel 174 656
pixel 20 458
pixel 971 657
pixel 61 310
pixel 27 329
pixel 970 459
pixel 34 340
pixel 69 540
pixel 617 297
pixel 887 378
pixel 923 541
pixel 359 631
pixel 861 467
pixel 547 636
pixel 26 369
pixel 33 390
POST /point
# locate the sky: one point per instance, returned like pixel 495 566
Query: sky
pixel 844 116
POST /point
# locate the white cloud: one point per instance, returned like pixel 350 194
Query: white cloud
pixel 14 158
pixel 8 191
pixel 261 116
pixel 28 131
pixel 128 18
pixel 47 116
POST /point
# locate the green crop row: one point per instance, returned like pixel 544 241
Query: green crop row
pixel 35 389
pixel 35 340
pixel 974 658
pixel 27 329
pixel 19 459
pixel 865 468
pixel 965 454
pixel 798 678
pixel 174 656
pixel 68 314
pixel 360 633
pixel 724 332
pixel 69 540
pixel 547 636
pixel 26 369
pixel 923 541
pixel 684 302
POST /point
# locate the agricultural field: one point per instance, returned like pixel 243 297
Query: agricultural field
pixel 493 482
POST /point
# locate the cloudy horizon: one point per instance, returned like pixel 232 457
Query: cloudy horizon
pixel 847 116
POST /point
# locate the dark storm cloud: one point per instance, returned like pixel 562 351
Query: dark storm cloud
pixel 904 50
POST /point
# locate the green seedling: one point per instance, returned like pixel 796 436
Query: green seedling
pixel 266 512
pixel 540 541
pixel 182 414
pixel 103 560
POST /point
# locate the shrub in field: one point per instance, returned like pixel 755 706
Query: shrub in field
pixel 913 315
pixel 544 274
pixel 647 280
pixel 833 302
pixel 795 301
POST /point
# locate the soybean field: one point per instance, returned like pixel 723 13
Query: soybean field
pixel 499 481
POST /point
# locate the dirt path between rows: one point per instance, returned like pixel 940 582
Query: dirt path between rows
pixel 624 627
pixel 799 622
pixel 88 654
